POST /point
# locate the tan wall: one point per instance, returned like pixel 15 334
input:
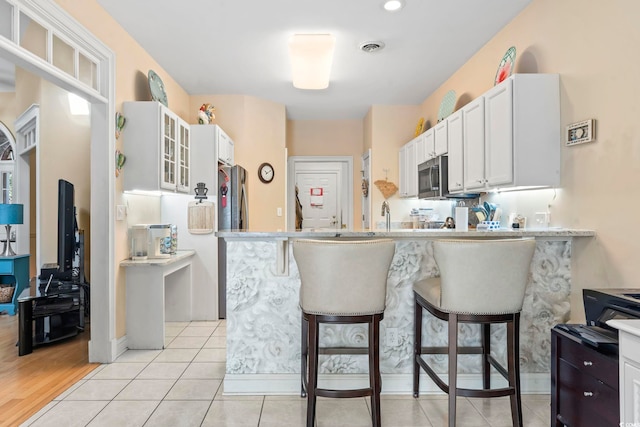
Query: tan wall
pixel 132 66
pixel 599 181
pixel 257 128
pixel 65 140
pixel 392 126
pixel 8 110
pixel 330 138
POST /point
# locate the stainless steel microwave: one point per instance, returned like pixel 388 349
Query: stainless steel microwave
pixel 433 178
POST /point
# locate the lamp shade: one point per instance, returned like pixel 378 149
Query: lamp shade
pixel 11 213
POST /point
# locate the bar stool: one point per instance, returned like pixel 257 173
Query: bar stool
pixel 342 282
pixel 481 281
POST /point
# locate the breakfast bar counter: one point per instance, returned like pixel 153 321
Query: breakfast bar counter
pixel 263 317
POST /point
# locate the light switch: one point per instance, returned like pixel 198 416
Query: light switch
pixel 121 212
pixel 279 211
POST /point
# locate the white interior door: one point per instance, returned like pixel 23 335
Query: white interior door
pixel 320 198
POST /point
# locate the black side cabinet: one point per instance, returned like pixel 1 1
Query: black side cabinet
pixel 51 317
pixel 584 383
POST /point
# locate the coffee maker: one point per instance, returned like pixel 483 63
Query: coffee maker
pixel 152 241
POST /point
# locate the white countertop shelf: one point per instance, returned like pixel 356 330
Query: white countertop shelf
pixel 162 262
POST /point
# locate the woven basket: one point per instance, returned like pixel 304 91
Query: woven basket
pixel 387 188
pixel 6 293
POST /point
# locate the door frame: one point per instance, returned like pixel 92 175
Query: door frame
pixel 346 185
pixel 366 201
pixel 103 344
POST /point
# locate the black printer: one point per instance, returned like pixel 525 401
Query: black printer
pixel 601 305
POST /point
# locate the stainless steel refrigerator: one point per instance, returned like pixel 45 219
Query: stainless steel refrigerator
pixel 233 214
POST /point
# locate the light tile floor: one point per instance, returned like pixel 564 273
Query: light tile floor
pixel 182 386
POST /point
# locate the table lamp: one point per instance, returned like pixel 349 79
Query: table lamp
pixel 10 214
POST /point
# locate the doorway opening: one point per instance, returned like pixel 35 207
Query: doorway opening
pixel 324 190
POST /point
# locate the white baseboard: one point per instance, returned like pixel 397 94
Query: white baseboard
pixel 120 346
pixel 239 384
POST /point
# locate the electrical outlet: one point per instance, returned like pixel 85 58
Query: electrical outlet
pixel 542 219
pixel 391 337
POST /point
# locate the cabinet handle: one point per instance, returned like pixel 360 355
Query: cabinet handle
pixel 480 181
pixel 588 394
pixel 587 363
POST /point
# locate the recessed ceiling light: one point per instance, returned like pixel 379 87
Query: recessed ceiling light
pixel 393 5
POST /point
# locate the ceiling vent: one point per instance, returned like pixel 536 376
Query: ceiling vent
pixel 371 47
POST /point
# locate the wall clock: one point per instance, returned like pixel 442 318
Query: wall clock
pixel 266 173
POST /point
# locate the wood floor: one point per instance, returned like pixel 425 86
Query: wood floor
pixel 29 382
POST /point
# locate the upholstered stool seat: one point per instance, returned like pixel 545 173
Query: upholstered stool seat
pixel 342 282
pixel 483 282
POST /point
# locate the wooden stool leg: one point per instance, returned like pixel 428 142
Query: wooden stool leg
pixel 374 369
pixel 485 329
pixel 417 345
pixel 513 367
pixel 304 352
pixel 312 385
pixel 453 367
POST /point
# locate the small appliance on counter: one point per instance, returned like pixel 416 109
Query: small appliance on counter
pixel 159 241
pixel 139 238
pixel 153 241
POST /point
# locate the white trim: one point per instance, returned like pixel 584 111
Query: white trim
pixel 121 345
pixel 103 346
pixel 27 127
pixel 274 384
pixel 366 158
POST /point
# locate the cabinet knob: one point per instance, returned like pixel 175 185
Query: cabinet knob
pixel 588 394
pixel 588 363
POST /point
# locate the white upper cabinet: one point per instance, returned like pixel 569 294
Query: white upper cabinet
pixel 498 114
pixel 428 140
pixel 421 155
pixel 473 143
pixel 455 148
pixel 225 147
pixel 511 135
pixel 184 156
pixel 440 138
pixel 408 169
pixel 204 157
pixel 157 146
pixel 402 171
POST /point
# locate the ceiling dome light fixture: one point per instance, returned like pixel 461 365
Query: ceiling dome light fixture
pixel 372 46
pixel 311 57
pixel 393 5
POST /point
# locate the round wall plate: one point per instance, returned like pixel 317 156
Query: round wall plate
pixel 156 87
pixel 505 69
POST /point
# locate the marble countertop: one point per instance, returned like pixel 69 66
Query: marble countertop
pixel 180 255
pixel 410 233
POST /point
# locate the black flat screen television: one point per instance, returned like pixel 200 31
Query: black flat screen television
pixel 66 230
